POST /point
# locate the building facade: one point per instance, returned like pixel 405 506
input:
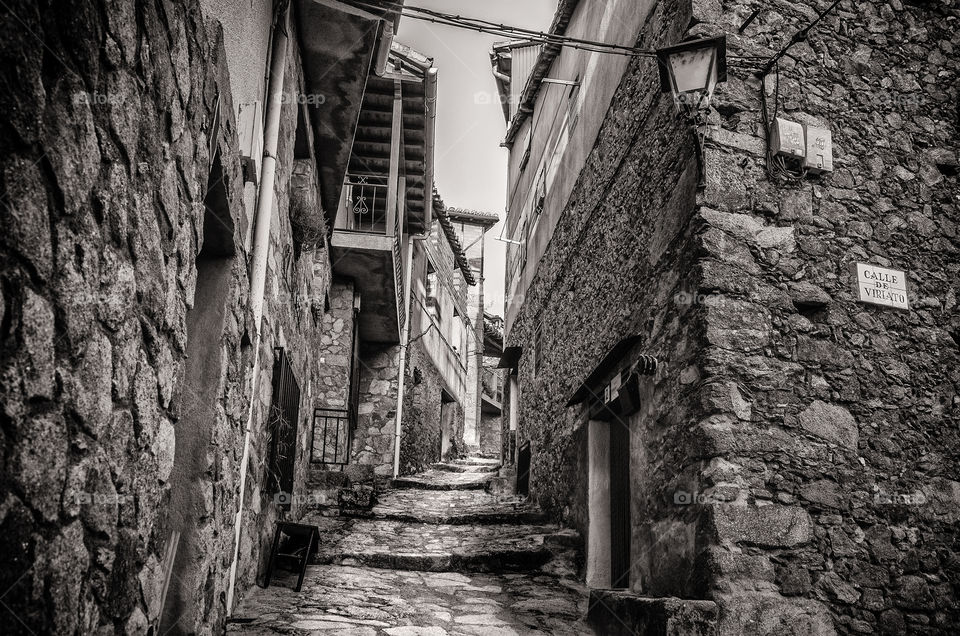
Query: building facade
pixel 790 464
pixel 190 276
pixel 471 226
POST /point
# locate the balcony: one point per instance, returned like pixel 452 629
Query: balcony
pixel 492 394
pixel 365 247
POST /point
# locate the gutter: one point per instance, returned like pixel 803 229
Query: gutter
pixel 383 48
pixel 261 251
pixel 404 347
pixel 429 143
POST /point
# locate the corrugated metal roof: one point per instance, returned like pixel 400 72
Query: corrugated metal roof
pixel 548 53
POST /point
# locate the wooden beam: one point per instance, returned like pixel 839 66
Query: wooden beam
pixel 394 176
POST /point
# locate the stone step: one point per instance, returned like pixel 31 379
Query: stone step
pixel 439 547
pixel 455 507
pixel 444 480
pixel 478 461
pixel 367 601
pixel 622 613
pixel 497 561
pixel 455 467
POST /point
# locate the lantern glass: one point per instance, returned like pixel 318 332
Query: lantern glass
pixel 691 70
pixel 694 70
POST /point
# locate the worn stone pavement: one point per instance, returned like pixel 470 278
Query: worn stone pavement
pixel 438 556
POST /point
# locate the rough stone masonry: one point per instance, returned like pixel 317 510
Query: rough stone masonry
pixel 111 186
pixel 819 435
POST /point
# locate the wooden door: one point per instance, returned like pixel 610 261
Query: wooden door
pixel 619 504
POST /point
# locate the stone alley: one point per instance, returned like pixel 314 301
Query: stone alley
pixel 437 555
pixel 449 317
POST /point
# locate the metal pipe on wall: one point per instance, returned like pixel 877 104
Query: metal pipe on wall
pixel 429 142
pixel 261 250
pixel 404 346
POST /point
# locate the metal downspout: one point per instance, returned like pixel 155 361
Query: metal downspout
pixel 404 345
pixel 429 141
pixel 261 249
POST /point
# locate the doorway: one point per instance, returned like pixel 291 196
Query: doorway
pixel 608 501
pixel 447 413
pixel 619 504
pixel 199 394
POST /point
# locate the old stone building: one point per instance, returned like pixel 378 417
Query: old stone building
pixel 490 430
pixel 176 303
pixel 437 345
pixel 472 226
pixel 791 464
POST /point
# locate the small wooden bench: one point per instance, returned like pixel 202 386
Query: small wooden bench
pixel 302 540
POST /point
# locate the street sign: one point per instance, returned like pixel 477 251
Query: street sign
pixel 881 286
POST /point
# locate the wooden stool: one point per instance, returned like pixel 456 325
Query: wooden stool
pixel 296 549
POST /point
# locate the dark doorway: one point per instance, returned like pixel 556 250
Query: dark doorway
pixel 619 504
pixel 523 469
pixel 447 412
pixel 354 404
pixel 197 400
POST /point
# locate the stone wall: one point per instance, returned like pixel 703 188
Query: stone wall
pixel 337 347
pixel 420 437
pixel 845 414
pixel 816 436
pixel 490 434
pixel 105 183
pixel 376 423
pixel 293 319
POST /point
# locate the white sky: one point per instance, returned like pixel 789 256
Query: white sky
pixel 471 167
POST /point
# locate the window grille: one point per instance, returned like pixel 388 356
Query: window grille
pixel 282 423
pixel 330 442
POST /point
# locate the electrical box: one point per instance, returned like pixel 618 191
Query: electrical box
pixel 786 138
pixel 819 155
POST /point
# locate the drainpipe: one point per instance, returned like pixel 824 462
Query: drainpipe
pixel 404 345
pixel 429 138
pixel 261 249
pixel 383 49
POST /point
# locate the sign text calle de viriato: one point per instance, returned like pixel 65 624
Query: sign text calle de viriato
pixel 882 286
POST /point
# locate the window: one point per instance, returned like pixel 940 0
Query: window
pixel 540 194
pixel 282 422
pixel 526 150
pixel 573 106
pixel 433 291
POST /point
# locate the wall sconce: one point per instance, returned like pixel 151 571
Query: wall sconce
pixel 691 71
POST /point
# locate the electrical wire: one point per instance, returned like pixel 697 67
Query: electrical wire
pixel 494 28
pixel 799 36
pixel 776 165
pixel 779 167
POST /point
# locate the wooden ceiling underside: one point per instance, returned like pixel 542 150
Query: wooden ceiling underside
pixel 371 146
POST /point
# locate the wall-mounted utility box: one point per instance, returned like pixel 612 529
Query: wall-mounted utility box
pixel 786 138
pixel 819 150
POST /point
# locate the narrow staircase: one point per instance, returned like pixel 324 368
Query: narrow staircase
pixel 436 555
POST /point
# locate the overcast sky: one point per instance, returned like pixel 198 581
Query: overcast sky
pixel 471 167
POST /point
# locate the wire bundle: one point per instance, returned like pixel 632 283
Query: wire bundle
pixel 514 32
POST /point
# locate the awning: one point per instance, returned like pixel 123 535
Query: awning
pixel 610 361
pixel 510 357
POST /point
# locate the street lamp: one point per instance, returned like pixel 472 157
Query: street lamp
pixel 691 70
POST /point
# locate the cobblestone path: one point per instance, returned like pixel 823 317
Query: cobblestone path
pixel 436 556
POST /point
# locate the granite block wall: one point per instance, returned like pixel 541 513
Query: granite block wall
pixel 795 457
pixel 106 176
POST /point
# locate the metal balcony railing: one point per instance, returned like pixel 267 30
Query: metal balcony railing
pixel 366 198
pixel 368 209
pixel 330 443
